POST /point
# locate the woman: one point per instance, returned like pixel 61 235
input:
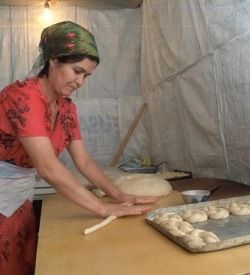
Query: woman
pixel 37 121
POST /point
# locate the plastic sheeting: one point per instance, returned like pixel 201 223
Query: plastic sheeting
pixel 104 123
pixel 195 79
pixel 192 57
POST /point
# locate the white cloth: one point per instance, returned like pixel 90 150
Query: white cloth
pixel 37 67
pixel 17 185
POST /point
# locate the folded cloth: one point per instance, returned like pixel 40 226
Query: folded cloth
pixel 17 185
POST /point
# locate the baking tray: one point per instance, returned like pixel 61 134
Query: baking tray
pixel 233 231
pixel 175 175
pixel 187 176
pixel 140 170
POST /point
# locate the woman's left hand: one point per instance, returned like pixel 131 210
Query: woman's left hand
pixel 133 199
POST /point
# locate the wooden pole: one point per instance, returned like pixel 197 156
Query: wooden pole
pixel 128 135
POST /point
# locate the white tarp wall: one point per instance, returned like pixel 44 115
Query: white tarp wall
pixel 110 98
pixel 196 80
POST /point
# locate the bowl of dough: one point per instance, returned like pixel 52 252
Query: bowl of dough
pixel 195 196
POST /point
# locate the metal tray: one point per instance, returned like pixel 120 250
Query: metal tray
pixel 233 231
pixel 187 176
pixel 140 170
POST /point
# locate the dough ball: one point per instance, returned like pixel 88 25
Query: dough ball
pixel 150 185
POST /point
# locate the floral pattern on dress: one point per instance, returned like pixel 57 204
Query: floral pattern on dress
pixel 7 140
pixel 21 107
pixel 18 241
pixel 19 112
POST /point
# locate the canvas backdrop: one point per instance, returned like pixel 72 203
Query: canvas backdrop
pixel 188 60
pixel 195 76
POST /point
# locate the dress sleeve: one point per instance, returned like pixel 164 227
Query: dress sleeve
pixel 24 112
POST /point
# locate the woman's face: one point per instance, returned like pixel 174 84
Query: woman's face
pixel 65 78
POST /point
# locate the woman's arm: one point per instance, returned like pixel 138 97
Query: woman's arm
pixel 92 172
pixel 59 177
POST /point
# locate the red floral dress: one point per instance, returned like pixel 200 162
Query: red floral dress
pixel 24 112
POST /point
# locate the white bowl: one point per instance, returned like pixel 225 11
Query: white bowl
pixel 195 196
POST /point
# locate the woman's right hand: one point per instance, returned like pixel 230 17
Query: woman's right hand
pixel 124 209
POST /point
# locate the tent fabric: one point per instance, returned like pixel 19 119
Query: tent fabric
pixel 195 77
pixel 104 123
pixel 188 60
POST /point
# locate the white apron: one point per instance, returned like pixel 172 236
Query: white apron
pixel 17 185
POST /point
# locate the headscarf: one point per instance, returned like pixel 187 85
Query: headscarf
pixel 63 39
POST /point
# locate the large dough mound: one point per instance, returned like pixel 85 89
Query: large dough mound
pixel 143 185
pixel 150 185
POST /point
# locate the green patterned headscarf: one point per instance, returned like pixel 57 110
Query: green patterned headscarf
pixel 64 39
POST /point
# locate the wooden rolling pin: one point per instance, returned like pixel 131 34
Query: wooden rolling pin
pixel 128 135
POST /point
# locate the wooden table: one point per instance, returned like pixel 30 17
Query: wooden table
pixel 228 189
pixel 129 245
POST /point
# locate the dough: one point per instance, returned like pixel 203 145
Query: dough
pixel 148 185
pixel 177 233
pixel 144 185
pixel 174 229
pixel 198 238
pixel 98 226
pixel 185 227
pixel 166 217
pixel 238 209
pixel 193 216
pixel 194 238
pixel 216 213
pixel 173 223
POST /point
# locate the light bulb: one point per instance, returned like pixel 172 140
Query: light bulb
pixel 46 5
pixel 47 13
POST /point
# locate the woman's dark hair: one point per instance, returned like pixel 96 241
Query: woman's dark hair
pixel 67 59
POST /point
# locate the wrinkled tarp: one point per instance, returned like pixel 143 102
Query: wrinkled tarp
pixel 187 59
pixel 195 78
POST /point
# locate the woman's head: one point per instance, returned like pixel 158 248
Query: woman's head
pixel 66 39
pixel 65 75
pixel 67 42
pixel 64 60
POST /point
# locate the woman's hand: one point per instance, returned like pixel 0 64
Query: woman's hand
pixel 124 209
pixel 133 199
